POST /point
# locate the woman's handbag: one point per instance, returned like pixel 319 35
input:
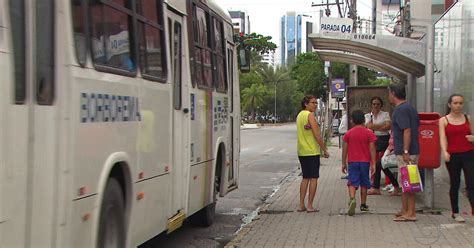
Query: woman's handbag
pixel 389 160
pixel 411 180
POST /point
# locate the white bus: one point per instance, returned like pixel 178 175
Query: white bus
pixel 118 119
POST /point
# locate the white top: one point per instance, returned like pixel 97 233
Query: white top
pixel 379 119
pixel 343 126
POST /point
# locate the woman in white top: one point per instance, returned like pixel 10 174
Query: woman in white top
pixel 379 121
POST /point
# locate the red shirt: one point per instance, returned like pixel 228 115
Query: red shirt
pixel 456 136
pixel 358 140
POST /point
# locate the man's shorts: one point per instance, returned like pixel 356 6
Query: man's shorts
pixel 359 174
pixel 310 166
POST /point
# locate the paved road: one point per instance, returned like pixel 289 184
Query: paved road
pixel 267 157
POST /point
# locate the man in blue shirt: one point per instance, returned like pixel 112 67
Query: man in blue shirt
pixel 405 123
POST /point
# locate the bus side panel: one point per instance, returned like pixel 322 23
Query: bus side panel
pixel 149 216
pixel 201 150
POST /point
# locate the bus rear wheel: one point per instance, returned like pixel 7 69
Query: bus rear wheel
pixel 112 218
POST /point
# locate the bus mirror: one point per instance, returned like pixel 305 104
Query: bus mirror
pixel 244 60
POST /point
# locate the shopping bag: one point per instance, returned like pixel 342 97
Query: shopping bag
pixel 411 180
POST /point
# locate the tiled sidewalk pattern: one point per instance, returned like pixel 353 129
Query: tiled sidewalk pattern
pixel 279 225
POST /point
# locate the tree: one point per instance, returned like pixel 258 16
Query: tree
pixel 364 75
pixel 255 42
pixel 308 72
pixel 253 97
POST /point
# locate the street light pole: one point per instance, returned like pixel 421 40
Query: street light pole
pixel 275 113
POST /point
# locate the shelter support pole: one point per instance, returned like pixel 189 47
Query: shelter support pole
pixel 429 76
pixel 411 89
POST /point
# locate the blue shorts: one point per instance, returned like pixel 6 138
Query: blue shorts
pixel 359 174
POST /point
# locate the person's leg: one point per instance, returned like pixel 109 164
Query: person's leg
pixel 353 183
pixel 303 189
pixel 410 213
pixel 364 182
pixel 352 192
pixel 313 185
pixel 454 171
pixel 468 169
pixel 388 173
pixel 377 175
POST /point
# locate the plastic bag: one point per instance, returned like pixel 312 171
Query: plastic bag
pixel 411 180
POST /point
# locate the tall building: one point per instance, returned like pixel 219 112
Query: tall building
pixel 240 21
pixel 294 30
pixel 269 58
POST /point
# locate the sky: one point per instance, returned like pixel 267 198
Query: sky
pixel 265 14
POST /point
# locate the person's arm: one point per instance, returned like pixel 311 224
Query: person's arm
pixel 470 137
pixel 372 157
pixel 317 134
pixel 344 157
pixel 443 140
pixel 406 144
pixel 384 126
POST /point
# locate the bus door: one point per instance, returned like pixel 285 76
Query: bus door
pixel 181 122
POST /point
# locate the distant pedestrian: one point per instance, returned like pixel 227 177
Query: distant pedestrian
pixel 454 132
pixel 310 147
pixel 358 157
pixel 379 122
pixel 405 123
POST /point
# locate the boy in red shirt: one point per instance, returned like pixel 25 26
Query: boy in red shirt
pixel 359 150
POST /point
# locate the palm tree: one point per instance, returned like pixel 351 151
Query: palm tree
pixel 253 96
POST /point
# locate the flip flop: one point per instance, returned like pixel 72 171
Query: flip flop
pixel 300 209
pixel 314 210
pixel 373 193
pixel 398 214
pixel 403 219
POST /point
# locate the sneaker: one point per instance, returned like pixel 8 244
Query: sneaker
pixel 352 207
pixel 364 208
pixel 388 187
pixel 458 218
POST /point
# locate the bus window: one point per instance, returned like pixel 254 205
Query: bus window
pixel 110 36
pixel 219 57
pixel 17 20
pixel 176 56
pixel 79 30
pixel 202 53
pixel 230 72
pixel 45 52
pixel 151 37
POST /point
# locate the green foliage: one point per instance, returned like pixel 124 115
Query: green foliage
pixel 381 81
pixel 255 42
pixel 253 97
pixel 364 75
pixel 308 72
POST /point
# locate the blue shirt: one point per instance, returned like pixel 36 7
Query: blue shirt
pixel 405 116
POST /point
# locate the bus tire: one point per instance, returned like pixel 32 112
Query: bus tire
pixel 112 218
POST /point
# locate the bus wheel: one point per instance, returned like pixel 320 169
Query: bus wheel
pixel 112 219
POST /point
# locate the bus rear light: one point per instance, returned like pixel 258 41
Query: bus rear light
pixel 140 195
pixel 195 177
pixel 141 175
pixel 82 191
pixel 86 217
pixel 167 168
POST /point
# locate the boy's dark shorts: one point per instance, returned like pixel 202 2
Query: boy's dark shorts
pixel 359 174
pixel 310 166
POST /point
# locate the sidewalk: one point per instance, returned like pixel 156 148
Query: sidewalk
pixel 279 225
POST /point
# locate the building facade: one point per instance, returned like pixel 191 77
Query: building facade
pixel 294 31
pixel 240 21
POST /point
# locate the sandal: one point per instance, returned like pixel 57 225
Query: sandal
pixel 300 209
pixel 373 192
pixel 403 219
pixel 312 210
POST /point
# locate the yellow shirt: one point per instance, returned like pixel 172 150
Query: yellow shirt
pixel 307 145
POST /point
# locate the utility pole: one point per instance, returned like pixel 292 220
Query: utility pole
pixel 374 16
pixel 353 68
